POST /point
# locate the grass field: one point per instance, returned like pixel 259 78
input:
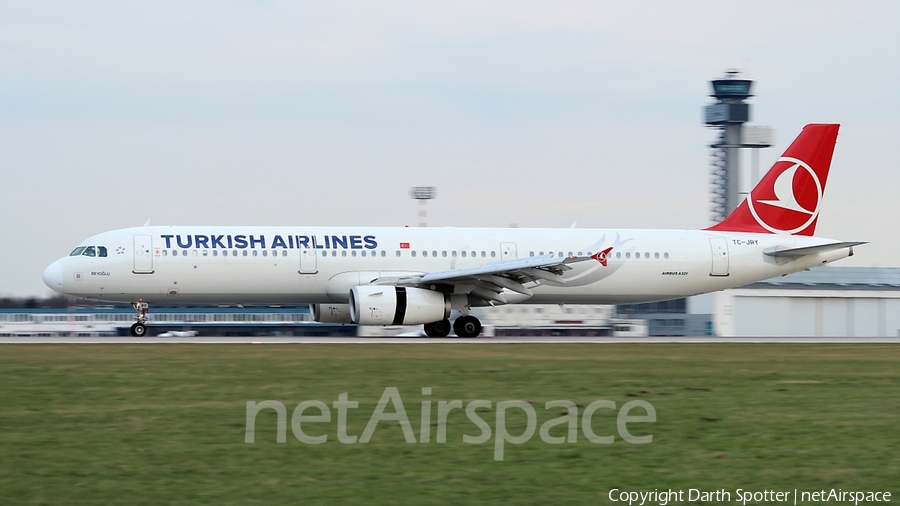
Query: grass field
pixel 165 424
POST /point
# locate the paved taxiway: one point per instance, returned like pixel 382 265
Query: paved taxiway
pixel 426 340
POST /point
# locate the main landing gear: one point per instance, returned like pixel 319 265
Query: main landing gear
pixel 464 326
pixel 467 326
pixel 438 329
pixel 139 329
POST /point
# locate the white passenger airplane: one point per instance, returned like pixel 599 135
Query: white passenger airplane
pixel 385 276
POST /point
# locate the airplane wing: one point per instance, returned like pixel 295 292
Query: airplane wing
pixel 488 281
pixel 809 250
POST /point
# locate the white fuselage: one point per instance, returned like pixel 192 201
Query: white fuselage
pixel 290 265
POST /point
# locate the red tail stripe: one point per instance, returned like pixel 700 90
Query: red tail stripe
pixel 788 198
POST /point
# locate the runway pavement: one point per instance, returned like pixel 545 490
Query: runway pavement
pixel 448 340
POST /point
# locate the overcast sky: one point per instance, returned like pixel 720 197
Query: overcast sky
pixel 540 113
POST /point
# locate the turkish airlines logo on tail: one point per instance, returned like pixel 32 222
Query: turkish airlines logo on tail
pixel 602 256
pixel 792 202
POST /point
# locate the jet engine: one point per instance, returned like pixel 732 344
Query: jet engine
pixel 397 305
pixel 330 313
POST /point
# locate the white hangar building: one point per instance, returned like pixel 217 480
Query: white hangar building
pixel 821 302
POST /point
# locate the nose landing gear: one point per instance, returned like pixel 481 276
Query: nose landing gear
pixel 139 329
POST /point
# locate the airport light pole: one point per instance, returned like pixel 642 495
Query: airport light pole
pixel 423 194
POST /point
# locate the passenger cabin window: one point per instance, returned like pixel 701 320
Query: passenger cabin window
pixel 89 252
pixel 77 251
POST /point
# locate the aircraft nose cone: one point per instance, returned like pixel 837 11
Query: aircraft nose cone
pixel 53 276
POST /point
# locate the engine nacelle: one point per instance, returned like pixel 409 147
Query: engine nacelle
pixel 397 305
pixel 331 313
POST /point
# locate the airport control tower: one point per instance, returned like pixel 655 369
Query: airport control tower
pixel 728 115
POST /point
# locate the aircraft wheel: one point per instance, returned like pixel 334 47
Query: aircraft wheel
pixel 467 326
pixel 438 329
pixel 138 330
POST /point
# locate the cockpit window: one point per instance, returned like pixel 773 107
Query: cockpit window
pixel 89 252
pixel 77 251
pixel 101 251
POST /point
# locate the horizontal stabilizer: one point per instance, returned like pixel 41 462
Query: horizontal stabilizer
pixel 779 251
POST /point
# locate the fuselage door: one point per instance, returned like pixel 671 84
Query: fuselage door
pixel 308 260
pixel 143 254
pixel 508 251
pixel 719 247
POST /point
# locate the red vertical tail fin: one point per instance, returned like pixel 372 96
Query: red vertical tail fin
pixel 788 198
